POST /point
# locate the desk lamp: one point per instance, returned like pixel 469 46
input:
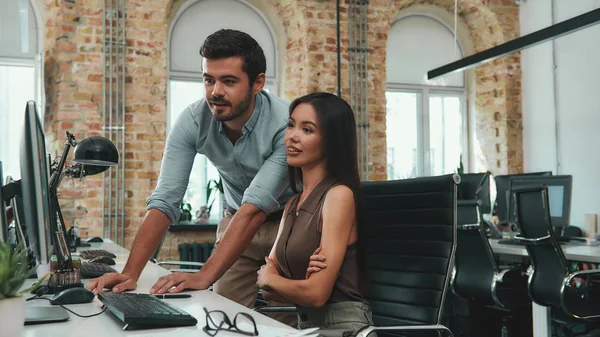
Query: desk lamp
pixel 92 155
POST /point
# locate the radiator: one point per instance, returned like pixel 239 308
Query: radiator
pixel 195 252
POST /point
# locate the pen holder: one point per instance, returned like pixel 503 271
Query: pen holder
pixel 60 280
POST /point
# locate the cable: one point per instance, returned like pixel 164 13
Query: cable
pixel 67 309
pixel 84 316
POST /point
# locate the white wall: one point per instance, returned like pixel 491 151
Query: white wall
pixel 573 147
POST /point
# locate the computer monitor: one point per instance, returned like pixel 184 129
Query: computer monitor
pixel 3 218
pixel 476 186
pixel 559 196
pixel 502 187
pixel 34 185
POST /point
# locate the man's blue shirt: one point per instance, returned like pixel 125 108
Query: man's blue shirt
pixel 254 169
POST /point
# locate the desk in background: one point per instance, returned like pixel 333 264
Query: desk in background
pixel 107 325
pixel 573 251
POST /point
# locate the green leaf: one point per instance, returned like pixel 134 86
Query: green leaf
pixel 14 270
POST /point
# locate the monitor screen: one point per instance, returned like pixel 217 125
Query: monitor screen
pixel 502 182
pixel 556 199
pixel 559 196
pixel 476 186
pixel 34 185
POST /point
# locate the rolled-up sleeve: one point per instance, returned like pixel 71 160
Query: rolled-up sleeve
pixel 271 180
pixel 178 158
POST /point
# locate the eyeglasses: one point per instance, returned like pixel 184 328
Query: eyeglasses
pixel 217 320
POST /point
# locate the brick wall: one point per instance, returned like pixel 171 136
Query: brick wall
pixel 73 73
pixel 73 82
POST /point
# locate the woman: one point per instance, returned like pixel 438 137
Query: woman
pixel 321 154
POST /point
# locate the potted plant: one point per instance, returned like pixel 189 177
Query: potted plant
pixel 460 169
pixel 186 212
pixel 212 188
pixel 14 270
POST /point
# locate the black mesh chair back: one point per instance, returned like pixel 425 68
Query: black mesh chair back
pixel 475 266
pixel 410 247
pixel 548 262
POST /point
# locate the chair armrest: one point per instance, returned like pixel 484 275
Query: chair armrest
pixel 567 282
pixel 468 227
pixel 438 327
pixel 182 263
pixel 532 241
pixel 590 272
pixel 267 309
pixel 571 276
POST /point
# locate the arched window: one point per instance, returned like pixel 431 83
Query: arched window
pixel 426 119
pixel 193 23
pixel 20 76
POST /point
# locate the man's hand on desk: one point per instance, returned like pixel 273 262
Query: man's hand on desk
pixel 116 282
pixel 180 282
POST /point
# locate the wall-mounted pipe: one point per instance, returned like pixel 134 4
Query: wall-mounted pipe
pixel 123 45
pixel 555 90
pixel 359 80
pixel 113 94
pixel 338 43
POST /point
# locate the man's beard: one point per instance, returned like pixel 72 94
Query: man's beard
pixel 236 111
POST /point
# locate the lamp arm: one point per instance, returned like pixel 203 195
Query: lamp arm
pixel 57 175
pixel 63 256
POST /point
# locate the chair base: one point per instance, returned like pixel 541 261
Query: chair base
pixel 479 319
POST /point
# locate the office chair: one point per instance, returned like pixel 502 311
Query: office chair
pixel 411 244
pixel 410 250
pixel 476 275
pixel 551 282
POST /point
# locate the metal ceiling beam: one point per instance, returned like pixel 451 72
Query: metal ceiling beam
pixel 562 28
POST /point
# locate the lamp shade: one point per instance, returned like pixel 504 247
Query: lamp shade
pixel 96 151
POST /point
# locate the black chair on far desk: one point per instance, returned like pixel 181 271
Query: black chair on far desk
pixel 498 301
pixel 559 190
pixel 550 282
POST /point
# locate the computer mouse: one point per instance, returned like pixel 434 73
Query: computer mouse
pixel 104 260
pixel 73 296
pixel 95 239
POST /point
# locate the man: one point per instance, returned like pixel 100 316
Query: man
pixel 240 129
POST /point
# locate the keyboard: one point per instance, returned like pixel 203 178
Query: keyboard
pixel 92 253
pixel 91 269
pixel 143 311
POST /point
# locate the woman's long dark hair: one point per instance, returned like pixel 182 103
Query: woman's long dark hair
pixel 340 146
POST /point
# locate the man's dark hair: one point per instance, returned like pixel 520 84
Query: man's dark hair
pixel 229 43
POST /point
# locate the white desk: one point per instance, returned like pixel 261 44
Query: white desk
pixel 107 325
pixel 573 252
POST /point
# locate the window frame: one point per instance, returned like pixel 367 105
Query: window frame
pixel 37 61
pixel 424 92
pixel 34 62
